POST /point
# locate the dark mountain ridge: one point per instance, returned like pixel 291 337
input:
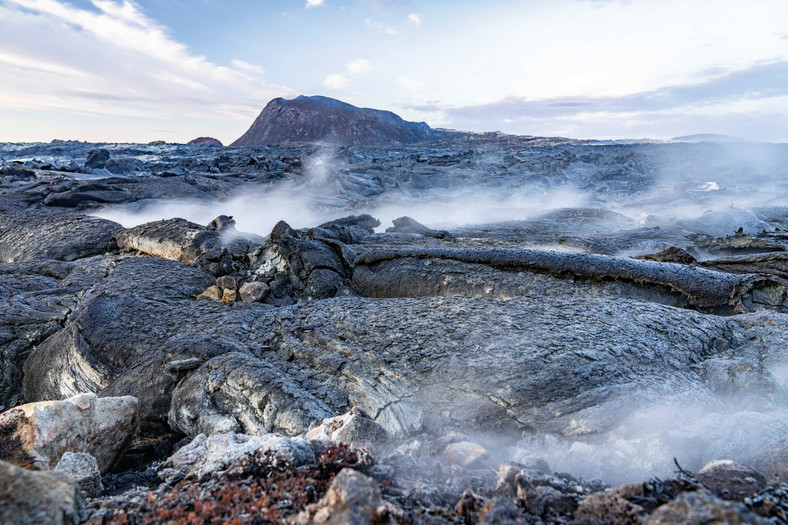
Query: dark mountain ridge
pixel 322 119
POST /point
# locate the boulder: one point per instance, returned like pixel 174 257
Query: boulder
pixel 37 498
pixel 355 428
pixel 182 240
pixel 507 273
pixel 701 507
pixel 123 166
pixel 97 158
pixel 83 469
pixel 38 434
pixel 226 282
pixel 207 455
pixel 40 297
pixel 88 194
pixel 466 454
pixel 410 225
pixel 253 292
pixel 352 499
pixel 608 507
pixel 730 480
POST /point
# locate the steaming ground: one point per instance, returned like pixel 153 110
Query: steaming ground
pixel 656 197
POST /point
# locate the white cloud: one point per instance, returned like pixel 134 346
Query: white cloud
pixel 336 81
pixel 414 19
pixel 409 83
pixel 358 67
pixel 380 28
pixel 246 66
pixel 110 61
pixel 354 69
pixel 313 3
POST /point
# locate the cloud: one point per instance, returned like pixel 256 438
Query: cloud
pixel 755 82
pixel 313 3
pixel 352 70
pixel 409 84
pixel 110 59
pixel 336 81
pixel 739 98
pixel 358 67
pixel 380 28
pixel 246 66
pixel 414 19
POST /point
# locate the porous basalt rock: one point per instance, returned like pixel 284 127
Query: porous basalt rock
pixel 352 499
pixel 83 469
pixel 54 235
pixel 101 427
pixel 355 428
pixel 214 453
pixel 377 275
pixel 33 498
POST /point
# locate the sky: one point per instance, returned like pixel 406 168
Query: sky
pixel 138 71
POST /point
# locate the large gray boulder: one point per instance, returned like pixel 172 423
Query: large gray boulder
pixel 33 498
pixel 40 433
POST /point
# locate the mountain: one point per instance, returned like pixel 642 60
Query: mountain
pixel 322 119
pixel 205 141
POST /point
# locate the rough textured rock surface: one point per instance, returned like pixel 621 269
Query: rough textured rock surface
pixel 694 508
pixel 56 235
pixel 322 119
pixel 40 297
pixel 239 393
pixel 352 499
pixel 355 428
pixel 44 431
pixel 33 498
pixel 540 328
pixel 695 287
pixel 731 480
pixel 83 469
pixel 207 455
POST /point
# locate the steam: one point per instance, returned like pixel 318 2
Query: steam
pixel 715 199
pixel 712 194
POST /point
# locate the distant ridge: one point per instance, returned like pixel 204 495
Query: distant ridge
pixel 707 137
pixel 323 119
pixel 205 141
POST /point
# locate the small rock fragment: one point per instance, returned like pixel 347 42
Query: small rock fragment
pixel 499 511
pixel 468 506
pixel 699 507
pixel 253 292
pixel 227 282
pixel 212 293
pixel 505 479
pixel 228 296
pixel 352 499
pixel 608 507
pixel 83 469
pixel 465 453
